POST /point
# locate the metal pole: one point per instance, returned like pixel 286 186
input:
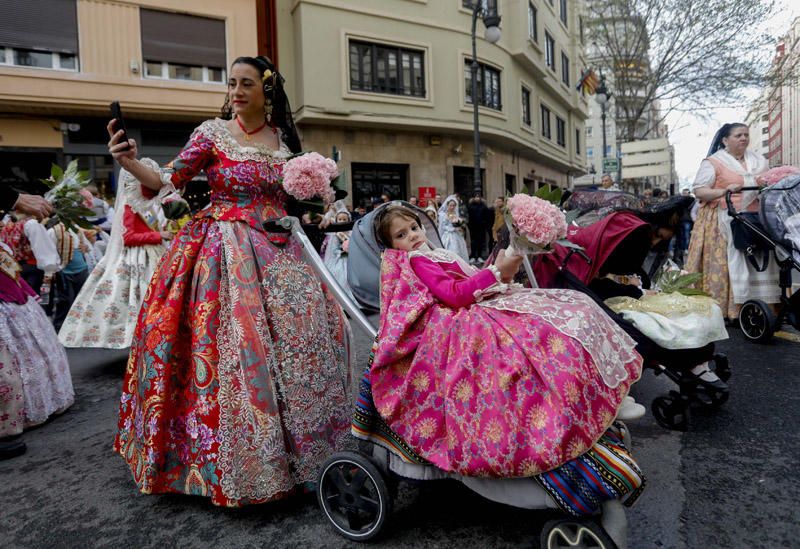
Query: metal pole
pixel 603 118
pixel 476 177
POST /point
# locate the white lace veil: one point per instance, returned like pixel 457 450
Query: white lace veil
pixel 443 209
pixel 128 189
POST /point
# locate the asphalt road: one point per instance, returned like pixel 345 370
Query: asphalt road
pixel 727 482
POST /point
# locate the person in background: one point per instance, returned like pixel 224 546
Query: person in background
pixel 33 250
pixel 477 214
pixel 38 207
pixel 727 275
pixel 413 200
pixel 69 280
pixel 607 183
pixel 498 220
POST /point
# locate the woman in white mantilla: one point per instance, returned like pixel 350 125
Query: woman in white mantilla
pixel 104 313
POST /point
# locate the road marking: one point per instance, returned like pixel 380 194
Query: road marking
pixel 788 336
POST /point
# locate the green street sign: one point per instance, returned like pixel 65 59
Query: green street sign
pixel 610 165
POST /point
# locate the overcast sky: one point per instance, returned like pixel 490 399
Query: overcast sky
pixel 692 136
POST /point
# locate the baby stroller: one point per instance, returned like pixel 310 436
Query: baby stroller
pixel 618 242
pixel 355 488
pixel 774 230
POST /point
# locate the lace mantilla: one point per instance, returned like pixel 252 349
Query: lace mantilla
pixel 569 312
pixel 217 131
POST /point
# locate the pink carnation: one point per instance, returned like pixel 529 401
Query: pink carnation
pixel 309 176
pixel 539 221
pixel 774 175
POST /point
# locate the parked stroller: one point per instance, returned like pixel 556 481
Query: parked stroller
pixel 355 489
pixel 773 231
pixel 617 240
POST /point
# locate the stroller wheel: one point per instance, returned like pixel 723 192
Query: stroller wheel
pixel 757 321
pixel 353 495
pixel 710 398
pixel 671 413
pixel 722 367
pixel 571 533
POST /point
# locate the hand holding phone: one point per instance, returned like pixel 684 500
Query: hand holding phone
pixel 119 122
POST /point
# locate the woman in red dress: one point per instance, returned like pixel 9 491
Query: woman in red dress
pixel 237 386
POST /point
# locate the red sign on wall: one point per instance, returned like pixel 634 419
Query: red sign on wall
pixel 425 194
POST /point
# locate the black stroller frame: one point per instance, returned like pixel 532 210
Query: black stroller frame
pixel 671 411
pixel 756 318
pixel 355 488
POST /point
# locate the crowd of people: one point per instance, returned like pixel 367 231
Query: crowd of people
pixel 239 381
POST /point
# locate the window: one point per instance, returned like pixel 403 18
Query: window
pixel 589 152
pixel 533 30
pixel 765 130
pixel 563 10
pixel 488 85
pixel 42 34
pixel 589 131
pixel 526 106
pixel 174 43
pixel 765 143
pixel 577 141
pixel 561 132
pixel 469 3
pixel 546 122
pixel 387 69
pixel 549 51
pixel 564 68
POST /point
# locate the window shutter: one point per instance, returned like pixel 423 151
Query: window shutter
pixel 183 39
pixel 48 25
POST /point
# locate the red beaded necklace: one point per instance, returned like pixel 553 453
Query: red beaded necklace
pixel 247 134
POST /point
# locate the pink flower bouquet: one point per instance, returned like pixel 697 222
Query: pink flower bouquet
pixel 534 223
pixel 309 176
pixel 776 174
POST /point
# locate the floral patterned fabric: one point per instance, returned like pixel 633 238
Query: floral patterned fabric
pixel 708 254
pixel 35 380
pixel 237 387
pixel 508 387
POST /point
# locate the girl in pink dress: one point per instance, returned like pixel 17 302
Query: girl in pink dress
pixel 485 378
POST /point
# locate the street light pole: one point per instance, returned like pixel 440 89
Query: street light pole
pixel 602 96
pixel 491 20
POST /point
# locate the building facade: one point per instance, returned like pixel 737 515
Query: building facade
pixel 63 61
pixel 784 102
pixel 387 83
pixel 384 82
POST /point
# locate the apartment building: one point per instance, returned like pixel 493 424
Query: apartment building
pixel 783 105
pixel 63 61
pixel 387 83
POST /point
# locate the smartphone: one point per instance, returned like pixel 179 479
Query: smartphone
pixel 119 124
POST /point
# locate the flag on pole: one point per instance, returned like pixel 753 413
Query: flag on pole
pixel 588 82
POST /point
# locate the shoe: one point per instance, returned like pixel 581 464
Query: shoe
pixel 630 410
pixel 707 378
pixel 12 449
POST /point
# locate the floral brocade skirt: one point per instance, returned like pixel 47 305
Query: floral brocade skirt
pixel 104 313
pixel 35 380
pixel 238 383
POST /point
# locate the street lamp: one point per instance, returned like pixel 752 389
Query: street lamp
pixel 602 95
pixel 487 10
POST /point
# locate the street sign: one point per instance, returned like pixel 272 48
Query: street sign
pixel 610 165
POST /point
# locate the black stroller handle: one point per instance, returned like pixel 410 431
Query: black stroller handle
pixel 573 251
pixel 729 202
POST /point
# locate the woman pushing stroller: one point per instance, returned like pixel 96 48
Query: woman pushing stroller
pixel 482 377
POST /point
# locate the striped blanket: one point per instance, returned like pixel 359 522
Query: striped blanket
pixel 579 487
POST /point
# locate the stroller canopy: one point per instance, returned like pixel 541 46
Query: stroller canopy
pixel 364 256
pixel 599 241
pixel 780 212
